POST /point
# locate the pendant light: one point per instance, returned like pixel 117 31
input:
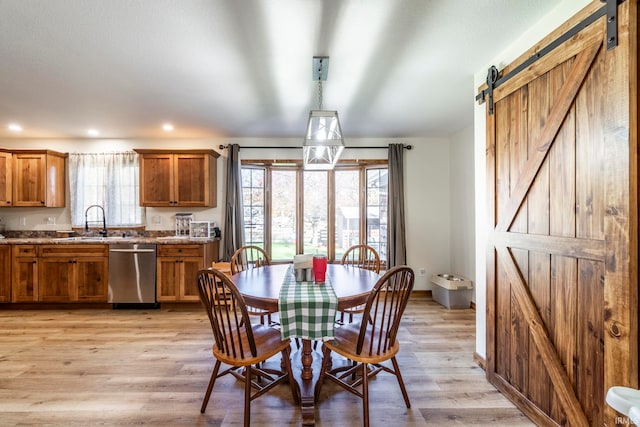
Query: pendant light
pixel 323 141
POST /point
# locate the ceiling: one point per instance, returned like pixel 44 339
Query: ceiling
pixel 242 68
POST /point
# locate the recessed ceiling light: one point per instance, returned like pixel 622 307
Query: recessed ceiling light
pixel 14 127
pixel 93 132
pixel 168 127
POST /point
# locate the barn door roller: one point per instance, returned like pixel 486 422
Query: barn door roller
pixel 610 9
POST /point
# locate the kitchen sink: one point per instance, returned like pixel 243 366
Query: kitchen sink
pixel 84 238
pixel 92 239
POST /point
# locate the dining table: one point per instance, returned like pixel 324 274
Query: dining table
pixel 261 287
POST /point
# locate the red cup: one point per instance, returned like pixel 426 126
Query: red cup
pixel 319 268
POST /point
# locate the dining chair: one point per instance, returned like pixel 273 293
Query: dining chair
pixel 362 256
pixel 247 257
pixel 371 341
pixel 240 344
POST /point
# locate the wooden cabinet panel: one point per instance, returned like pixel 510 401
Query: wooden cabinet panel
pixel 156 180
pixel 178 178
pixel 92 279
pixel 71 273
pixel 55 279
pixel 191 179
pixel 177 270
pixel 5 273
pixel 189 286
pixel 32 178
pixel 181 250
pixel 6 177
pixel 168 279
pixel 24 274
pixel 29 179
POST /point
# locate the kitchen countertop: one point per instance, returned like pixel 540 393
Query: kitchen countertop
pixel 169 240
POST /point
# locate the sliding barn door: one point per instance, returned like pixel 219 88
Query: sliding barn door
pixel 562 298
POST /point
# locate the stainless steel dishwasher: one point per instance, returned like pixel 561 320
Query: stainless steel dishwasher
pixel 132 275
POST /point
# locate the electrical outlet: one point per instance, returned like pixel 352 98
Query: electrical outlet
pixel 156 220
pixel 23 221
pixel 422 271
pixel 51 220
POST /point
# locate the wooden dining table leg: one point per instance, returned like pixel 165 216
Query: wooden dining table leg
pixel 307 385
pixel 303 363
pixel 307 360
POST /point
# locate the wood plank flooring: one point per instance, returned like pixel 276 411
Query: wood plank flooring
pixel 87 367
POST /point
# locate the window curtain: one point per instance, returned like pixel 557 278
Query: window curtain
pixel 396 242
pixel 111 180
pixel 233 233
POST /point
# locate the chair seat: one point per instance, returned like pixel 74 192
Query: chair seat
pixel 346 340
pixel 268 343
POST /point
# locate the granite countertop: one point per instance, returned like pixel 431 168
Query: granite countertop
pixel 168 240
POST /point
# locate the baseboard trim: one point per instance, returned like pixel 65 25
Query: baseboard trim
pixel 421 293
pixel 480 361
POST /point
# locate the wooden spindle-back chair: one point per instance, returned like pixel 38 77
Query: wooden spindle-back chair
pixel 371 341
pixel 362 256
pixel 248 257
pixel 240 344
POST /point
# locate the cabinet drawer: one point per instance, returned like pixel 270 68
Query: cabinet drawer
pixel 181 250
pixel 24 251
pixel 73 251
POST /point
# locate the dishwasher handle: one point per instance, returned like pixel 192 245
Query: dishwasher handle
pixel 133 251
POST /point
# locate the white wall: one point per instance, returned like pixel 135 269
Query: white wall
pixel 462 192
pixel 562 12
pixel 427 208
pixel 426 180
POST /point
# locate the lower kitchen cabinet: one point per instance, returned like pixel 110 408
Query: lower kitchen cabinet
pixel 24 274
pixel 73 273
pixel 5 273
pixel 177 270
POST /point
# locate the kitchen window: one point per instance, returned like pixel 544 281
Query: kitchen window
pixel 289 211
pixel 111 180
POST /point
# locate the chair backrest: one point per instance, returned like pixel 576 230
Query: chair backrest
pixel 230 321
pixel 363 256
pixel 384 309
pixel 248 257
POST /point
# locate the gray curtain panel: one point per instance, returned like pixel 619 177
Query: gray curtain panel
pixel 233 233
pixel 397 246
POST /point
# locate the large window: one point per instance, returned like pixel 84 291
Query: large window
pixel 111 180
pixel 288 210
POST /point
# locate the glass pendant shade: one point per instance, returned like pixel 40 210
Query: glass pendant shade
pixel 323 142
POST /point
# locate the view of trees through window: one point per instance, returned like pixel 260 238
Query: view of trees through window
pixel 288 210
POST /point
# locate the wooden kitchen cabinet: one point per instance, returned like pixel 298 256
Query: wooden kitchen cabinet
pixel 5 273
pixel 24 274
pixel 178 178
pixel 6 178
pixel 38 178
pixel 73 273
pixel 177 270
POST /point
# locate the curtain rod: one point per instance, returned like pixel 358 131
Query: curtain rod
pixel 222 147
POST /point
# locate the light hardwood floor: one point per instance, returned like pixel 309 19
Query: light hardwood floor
pixel 80 367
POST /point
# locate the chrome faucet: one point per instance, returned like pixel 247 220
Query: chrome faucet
pixel 103 232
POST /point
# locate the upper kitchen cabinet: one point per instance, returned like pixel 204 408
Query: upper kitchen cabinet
pixel 6 175
pixel 178 177
pixel 32 178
